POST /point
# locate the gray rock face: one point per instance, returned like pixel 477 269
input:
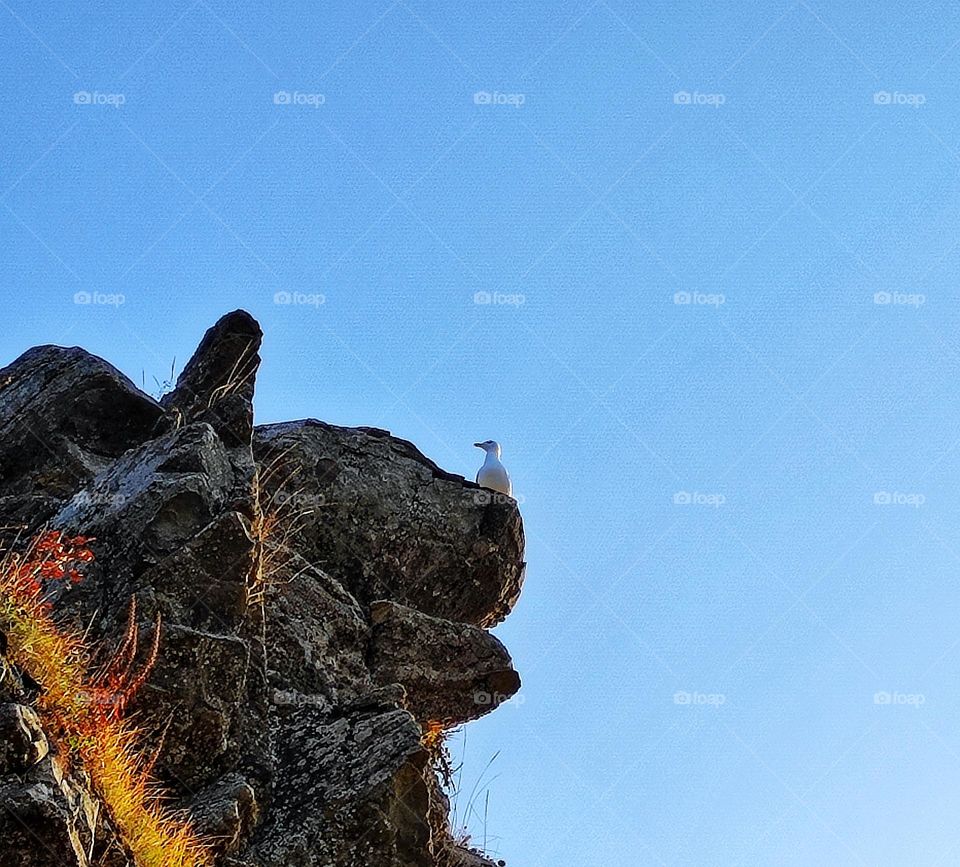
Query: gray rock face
pixel 390 524
pixel 217 384
pixel 351 791
pixel 226 813
pixel 46 820
pixel 318 638
pixel 65 416
pixel 452 672
pixel 323 592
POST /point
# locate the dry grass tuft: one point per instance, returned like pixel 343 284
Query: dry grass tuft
pixel 451 835
pixel 280 516
pixel 242 372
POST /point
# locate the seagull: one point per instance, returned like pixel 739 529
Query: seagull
pixel 493 474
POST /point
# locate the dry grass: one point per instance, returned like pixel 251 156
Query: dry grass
pixel 242 372
pixel 434 740
pixel 161 388
pixel 450 831
pixel 278 520
pixel 83 710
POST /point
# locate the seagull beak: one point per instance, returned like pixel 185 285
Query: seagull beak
pixel 478 445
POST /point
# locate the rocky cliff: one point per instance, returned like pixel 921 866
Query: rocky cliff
pixel 324 595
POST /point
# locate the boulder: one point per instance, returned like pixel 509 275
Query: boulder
pixel 388 523
pixel 217 384
pixel 452 672
pixel 65 415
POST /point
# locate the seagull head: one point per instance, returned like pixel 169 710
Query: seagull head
pixel 490 447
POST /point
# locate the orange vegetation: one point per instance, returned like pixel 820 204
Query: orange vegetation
pixel 84 709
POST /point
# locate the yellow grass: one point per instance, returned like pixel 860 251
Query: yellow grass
pixel 84 716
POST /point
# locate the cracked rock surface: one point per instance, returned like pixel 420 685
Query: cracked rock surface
pixel 324 594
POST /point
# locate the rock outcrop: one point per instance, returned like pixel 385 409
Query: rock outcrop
pixel 392 524
pixel 324 595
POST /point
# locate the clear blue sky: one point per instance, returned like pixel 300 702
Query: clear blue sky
pixel 813 165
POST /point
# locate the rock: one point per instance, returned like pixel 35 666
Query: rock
pixel 459 856
pixel 451 672
pixel 22 741
pixel 46 819
pixel 392 695
pixel 322 591
pixel 147 511
pixel 226 813
pixel 350 791
pixel 203 583
pixel 65 415
pixel 203 709
pixel 216 385
pixel 156 497
pixel 317 636
pixel 389 524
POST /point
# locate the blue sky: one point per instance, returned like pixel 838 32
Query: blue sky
pixel 738 636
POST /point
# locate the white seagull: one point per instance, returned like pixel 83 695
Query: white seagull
pixel 493 474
